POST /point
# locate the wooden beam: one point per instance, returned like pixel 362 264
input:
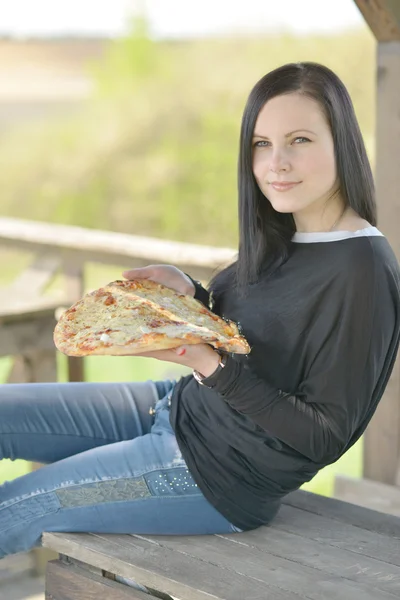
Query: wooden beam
pixel 78 245
pixel 27 336
pixel 383 18
pixel 370 494
pixel 35 278
pixel 74 286
pixel 25 307
pixel 382 438
pixel 69 582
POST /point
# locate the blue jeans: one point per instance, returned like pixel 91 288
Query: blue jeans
pixel 112 464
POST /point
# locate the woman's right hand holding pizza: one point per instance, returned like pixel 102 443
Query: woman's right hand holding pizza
pixel 167 275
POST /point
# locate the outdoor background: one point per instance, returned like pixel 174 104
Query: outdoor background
pixel 133 126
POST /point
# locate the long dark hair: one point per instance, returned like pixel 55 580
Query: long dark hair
pixel 265 234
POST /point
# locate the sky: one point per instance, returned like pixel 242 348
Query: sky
pixel 176 18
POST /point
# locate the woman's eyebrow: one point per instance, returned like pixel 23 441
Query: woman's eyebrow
pixel 286 135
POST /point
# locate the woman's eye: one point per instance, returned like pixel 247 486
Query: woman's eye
pixel 303 139
pixel 266 143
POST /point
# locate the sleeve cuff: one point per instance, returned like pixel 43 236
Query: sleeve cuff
pixel 224 380
pixel 201 293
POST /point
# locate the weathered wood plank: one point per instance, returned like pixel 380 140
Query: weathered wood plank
pixel 288 572
pixel 84 245
pixel 69 582
pixel 26 337
pixel 341 535
pixel 38 366
pixel 36 277
pixel 345 512
pixel 19 370
pixel 323 557
pixel 383 17
pixel 371 494
pixel 26 307
pixel 43 365
pixel 303 554
pixel 74 287
pixel 150 565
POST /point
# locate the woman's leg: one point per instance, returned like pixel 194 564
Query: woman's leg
pixel 140 485
pixel 46 422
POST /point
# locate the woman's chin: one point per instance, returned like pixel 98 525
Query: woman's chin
pixel 285 207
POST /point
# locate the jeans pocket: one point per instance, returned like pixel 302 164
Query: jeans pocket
pixel 164 387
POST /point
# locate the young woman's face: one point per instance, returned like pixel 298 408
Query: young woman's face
pixel 293 156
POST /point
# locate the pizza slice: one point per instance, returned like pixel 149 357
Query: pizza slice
pixel 130 317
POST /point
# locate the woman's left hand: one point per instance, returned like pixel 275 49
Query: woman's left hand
pixel 200 357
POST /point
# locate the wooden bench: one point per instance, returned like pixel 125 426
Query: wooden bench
pixel 318 548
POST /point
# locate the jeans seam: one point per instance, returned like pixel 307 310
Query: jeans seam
pixel 23 521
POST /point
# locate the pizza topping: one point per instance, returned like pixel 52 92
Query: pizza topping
pixel 87 346
pixel 156 323
pixel 110 300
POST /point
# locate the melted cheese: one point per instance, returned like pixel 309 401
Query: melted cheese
pixel 182 308
pixel 122 322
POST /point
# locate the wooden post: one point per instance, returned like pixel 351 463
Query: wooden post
pixel 74 289
pixel 43 368
pixel 383 18
pixel 382 438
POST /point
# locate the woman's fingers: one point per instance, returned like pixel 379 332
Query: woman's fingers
pixel 138 273
pixel 167 275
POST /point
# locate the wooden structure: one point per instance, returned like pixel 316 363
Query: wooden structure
pixel 27 320
pixel 317 548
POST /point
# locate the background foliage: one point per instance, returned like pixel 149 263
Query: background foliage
pixel 154 152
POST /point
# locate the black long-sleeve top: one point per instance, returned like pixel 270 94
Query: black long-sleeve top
pixel 324 331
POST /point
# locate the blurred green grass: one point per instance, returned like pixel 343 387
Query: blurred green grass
pixel 159 140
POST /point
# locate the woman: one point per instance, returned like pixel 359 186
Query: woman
pixel 316 291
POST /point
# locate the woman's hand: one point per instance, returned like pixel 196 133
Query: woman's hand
pixel 167 275
pixel 200 357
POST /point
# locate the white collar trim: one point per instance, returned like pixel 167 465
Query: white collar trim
pixel 334 236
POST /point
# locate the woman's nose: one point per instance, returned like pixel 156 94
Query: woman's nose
pixel 279 161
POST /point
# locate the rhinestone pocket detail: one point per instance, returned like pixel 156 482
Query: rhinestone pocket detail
pixel 171 482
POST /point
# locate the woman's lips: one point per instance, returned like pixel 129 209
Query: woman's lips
pixel 284 187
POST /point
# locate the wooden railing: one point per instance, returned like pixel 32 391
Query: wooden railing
pixel 65 249
pixel 73 246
